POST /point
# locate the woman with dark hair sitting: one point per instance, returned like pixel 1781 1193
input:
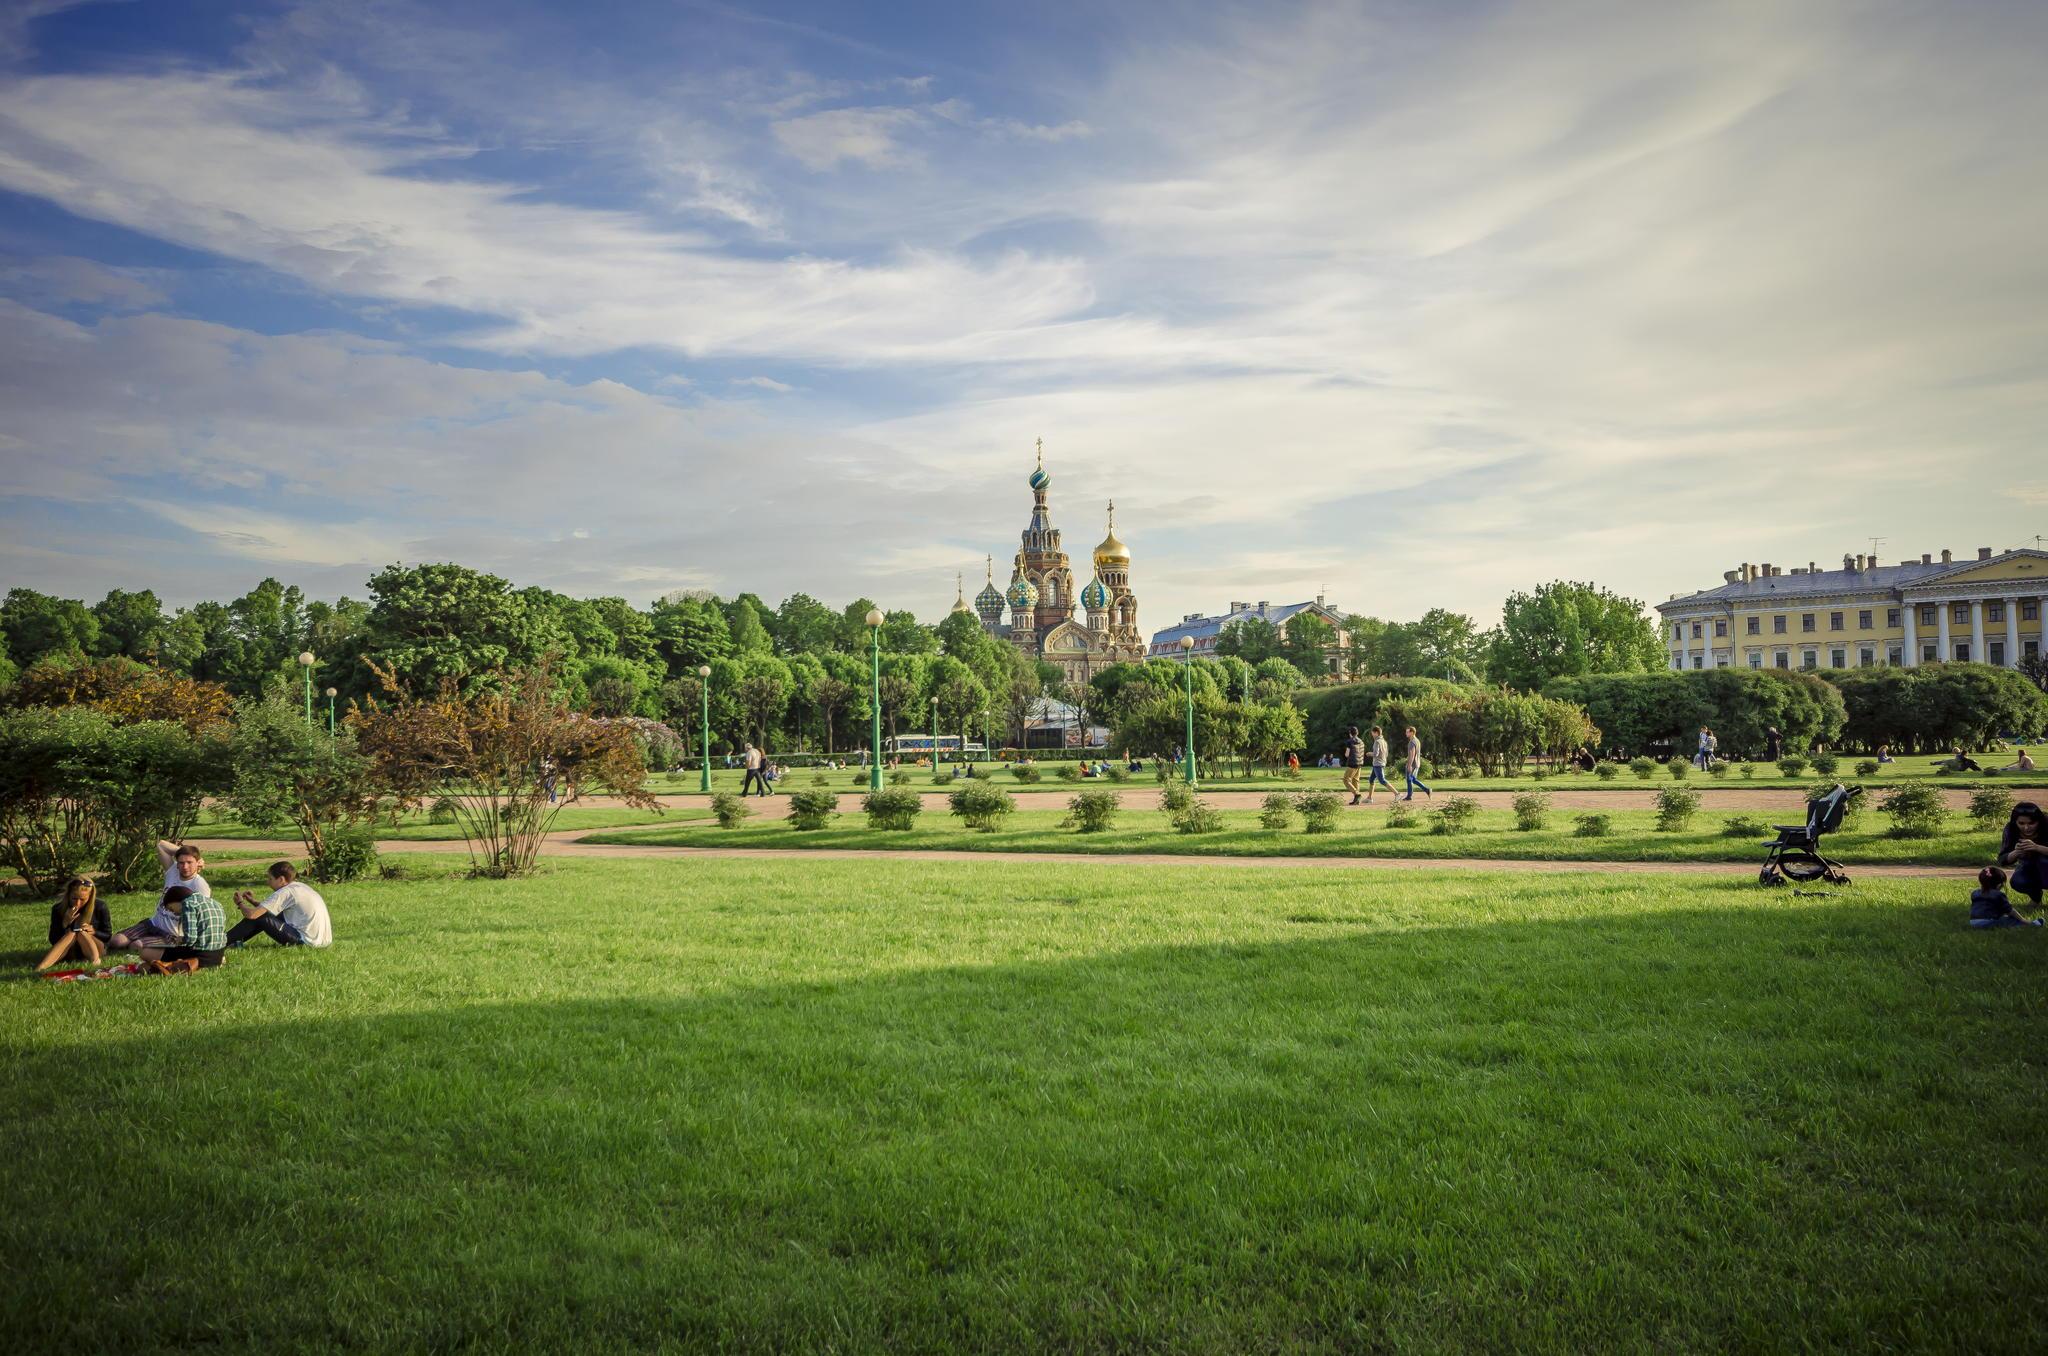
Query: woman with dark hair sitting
pixel 78 922
pixel 2023 849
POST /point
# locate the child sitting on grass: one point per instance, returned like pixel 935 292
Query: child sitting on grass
pixel 1989 908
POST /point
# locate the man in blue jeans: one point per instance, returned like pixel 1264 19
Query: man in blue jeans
pixel 293 914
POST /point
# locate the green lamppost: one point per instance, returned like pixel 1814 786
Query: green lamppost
pixel 306 663
pixel 704 696
pixel 330 712
pixel 935 736
pixel 874 621
pixel 987 735
pixel 1187 643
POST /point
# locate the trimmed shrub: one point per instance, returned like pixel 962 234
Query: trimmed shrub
pixel 1607 772
pixel 943 779
pixel 900 776
pixel 1990 807
pixel 1276 811
pixel 1916 810
pixel 1718 768
pixel 895 808
pixel 1826 763
pixel 982 807
pixel 1676 805
pixel 1537 774
pixel 1092 811
pixel 821 778
pixel 1749 772
pixel 1069 772
pixel 1744 826
pixel 442 811
pixel 1175 796
pixel 1592 826
pixel 1400 815
pixel 346 853
pixel 1642 767
pixel 1197 816
pixel 1678 769
pixel 1119 773
pixel 858 779
pixel 1532 810
pixel 812 809
pixel 1792 766
pixel 1869 767
pixel 729 810
pixel 1319 810
pixel 1025 772
pixel 1454 815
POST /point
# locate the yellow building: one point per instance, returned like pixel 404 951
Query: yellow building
pixel 1865 614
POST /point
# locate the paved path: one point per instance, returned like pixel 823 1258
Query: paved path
pixel 1146 797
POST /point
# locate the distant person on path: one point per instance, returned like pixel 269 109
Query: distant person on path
pixel 1989 908
pixel 1412 765
pixel 1706 750
pixel 204 927
pixel 2019 764
pixel 2023 850
pixel 1353 759
pixel 1774 745
pixel 755 763
pixel 1379 766
pixel 78 922
pixel 292 914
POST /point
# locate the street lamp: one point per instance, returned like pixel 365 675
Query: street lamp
pixel 330 711
pixel 935 736
pixel 986 734
pixel 874 621
pixel 306 662
pixel 704 696
pixel 1187 660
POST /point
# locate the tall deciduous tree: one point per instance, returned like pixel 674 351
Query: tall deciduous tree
pixel 431 623
pixel 1566 629
pixel 38 625
pixel 132 625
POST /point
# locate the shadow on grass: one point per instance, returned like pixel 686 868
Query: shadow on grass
pixel 1680 1129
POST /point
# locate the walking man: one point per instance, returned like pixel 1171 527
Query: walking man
pixel 1354 759
pixel 1413 766
pixel 757 769
pixel 1379 765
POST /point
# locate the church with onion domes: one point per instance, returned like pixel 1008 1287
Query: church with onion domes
pixel 1081 630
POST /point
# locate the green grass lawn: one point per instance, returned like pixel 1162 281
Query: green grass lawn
pixel 755 1105
pixel 417 827
pixel 1362 832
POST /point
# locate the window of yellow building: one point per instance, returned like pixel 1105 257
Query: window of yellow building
pixel 1994 612
pixel 1834 621
pixel 1863 620
pixel 1778 625
pixel 1891 617
pixel 1806 621
pixel 1753 626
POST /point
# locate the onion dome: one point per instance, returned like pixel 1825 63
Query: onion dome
pixel 1023 593
pixel 990 599
pixel 959 595
pixel 1095 597
pixel 1111 552
pixel 1039 479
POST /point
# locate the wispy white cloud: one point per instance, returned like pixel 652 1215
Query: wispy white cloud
pixel 867 136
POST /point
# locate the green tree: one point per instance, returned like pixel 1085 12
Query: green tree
pixel 803 625
pixel 268 624
pixel 132 625
pixel 902 633
pixel 1566 628
pixel 1308 643
pixel 286 772
pixel 38 625
pixel 1252 639
pixel 690 633
pixel 433 622
pixel 749 634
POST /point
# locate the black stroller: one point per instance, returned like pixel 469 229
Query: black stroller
pixel 1795 853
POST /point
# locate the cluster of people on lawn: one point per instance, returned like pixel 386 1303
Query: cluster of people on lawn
pixel 188 924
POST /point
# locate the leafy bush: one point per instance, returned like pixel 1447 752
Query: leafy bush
pixel 900 776
pixel 1592 826
pixel 346 853
pixel 1277 811
pixel 819 778
pixel 1679 769
pixel 1400 815
pixel 943 779
pixel 1916 810
pixel 1319 810
pixel 1826 763
pixel 1744 826
pixel 1538 773
pixel 1292 774
pixel 982 807
pixel 1197 816
pixel 1070 772
pixel 1792 766
pixel 1990 807
pixel 1676 805
pixel 1869 767
pixel 729 810
pixel 1025 772
pixel 1092 811
pixel 858 779
pixel 895 808
pixel 1749 772
pixel 1175 796
pixel 442 811
pixel 1449 772
pixel 1642 767
pixel 812 809
pixel 1607 772
pixel 1718 768
pixel 1454 815
pixel 1532 810
pixel 1119 773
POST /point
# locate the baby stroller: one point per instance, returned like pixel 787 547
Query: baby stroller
pixel 1795 853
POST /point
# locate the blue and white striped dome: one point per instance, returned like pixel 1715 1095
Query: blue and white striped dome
pixel 1095 597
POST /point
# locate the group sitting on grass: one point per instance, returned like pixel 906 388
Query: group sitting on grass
pixel 188 924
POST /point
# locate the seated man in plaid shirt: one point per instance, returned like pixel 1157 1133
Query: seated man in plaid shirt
pixel 206 929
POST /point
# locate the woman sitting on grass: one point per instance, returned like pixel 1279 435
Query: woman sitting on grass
pixel 78 922
pixel 2023 851
pixel 2019 764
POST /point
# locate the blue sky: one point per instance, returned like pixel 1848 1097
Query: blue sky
pixel 1417 303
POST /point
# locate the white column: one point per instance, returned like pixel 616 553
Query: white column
pixel 1684 646
pixel 2012 632
pixel 1977 630
pixel 1941 649
pixel 1912 615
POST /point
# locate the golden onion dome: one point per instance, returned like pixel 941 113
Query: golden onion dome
pixel 1111 550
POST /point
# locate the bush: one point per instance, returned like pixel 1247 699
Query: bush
pixel 943 779
pixel 1592 826
pixel 820 778
pixel 1792 766
pixel 1454 815
pixel 1537 774
pixel 1916 810
pixel 896 808
pixel 900 776
pixel 1175 796
pixel 442 811
pixel 812 809
pixel 1292 774
pixel 1676 805
pixel 1607 772
pixel 1276 812
pixel 1748 771
pixel 346 853
pixel 1197 816
pixel 1532 810
pixel 1092 811
pixel 858 779
pixel 1990 807
pixel 1025 773
pixel 729 810
pixel 1319 810
pixel 1826 763
pixel 1744 826
pixel 1678 769
pixel 1449 772
pixel 1869 767
pixel 1070 772
pixel 1119 773
pixel 982 807
pixel 1642 767
pixel 1718 768
pixel 1400 816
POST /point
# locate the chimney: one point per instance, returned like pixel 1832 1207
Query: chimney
pixel 1926 559
pixel 1320 602
pixel 1797 570
pixel 1237 607
pixel 1731 576
pixel 1946 558
pixel 1262 607
pixel 1848 563
pixel 1766 568
pixel 1812 568
pixel 1983 553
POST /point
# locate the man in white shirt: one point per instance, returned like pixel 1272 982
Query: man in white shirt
pixel 181 865
pixel 292 914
